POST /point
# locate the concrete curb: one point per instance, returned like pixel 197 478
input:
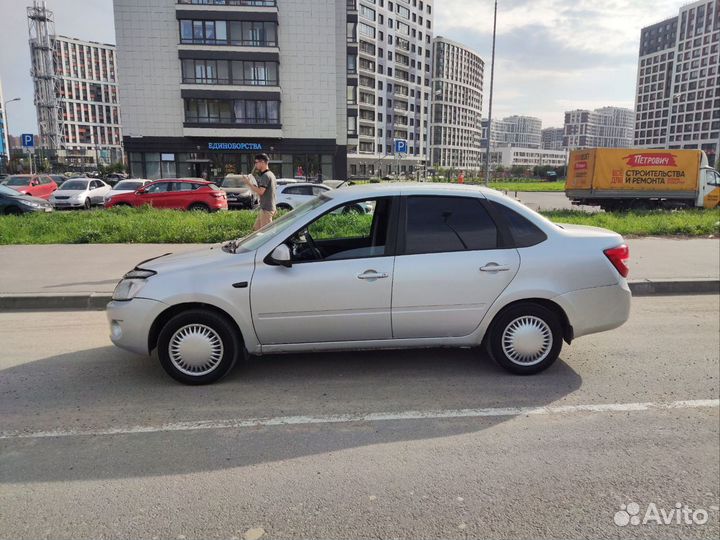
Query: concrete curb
pixel 98 301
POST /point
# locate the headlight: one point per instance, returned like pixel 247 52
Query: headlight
pixel 131 284
pixel 31 204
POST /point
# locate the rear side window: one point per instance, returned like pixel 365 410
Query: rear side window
pixel 523 232
pixel 298 190
pixel 446 224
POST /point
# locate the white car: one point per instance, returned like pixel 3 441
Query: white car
pixel 80 193
pixel 126 186
pixel 292 195
pixel 432 266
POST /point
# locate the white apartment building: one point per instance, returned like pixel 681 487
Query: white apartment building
pixel 89 101
pixel 607 127
pixel 389 49
pixel 552 138
pixel 207 84
pixel 456 112
pixel 677 101
pixel 514 130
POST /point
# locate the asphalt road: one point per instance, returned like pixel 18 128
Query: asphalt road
pixel 98 443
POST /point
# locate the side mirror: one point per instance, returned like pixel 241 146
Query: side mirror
pixel 141 191
pixel 280 256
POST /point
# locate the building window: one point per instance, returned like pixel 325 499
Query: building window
pixel 238 111
pixel 238 33
pixel 230 72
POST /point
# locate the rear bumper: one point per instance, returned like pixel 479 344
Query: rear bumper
pixel 597 309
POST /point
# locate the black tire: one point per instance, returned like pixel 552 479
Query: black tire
pixel 283 206
pixel 88 204
pixel 199 207
pixel 12 211
pixel 221 336
pixel 539 324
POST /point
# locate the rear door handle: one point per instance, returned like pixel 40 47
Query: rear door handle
pixel 372 274
pixel 494 267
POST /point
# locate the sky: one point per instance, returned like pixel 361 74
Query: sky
pixel 551 55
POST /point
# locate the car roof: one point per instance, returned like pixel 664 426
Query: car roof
pixel 407 188
pixel 193 180
pixel 300 184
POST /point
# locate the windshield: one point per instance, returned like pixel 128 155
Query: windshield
pixel 232 182
pixel 74 185
pixel 9 192
pixel 128 185
pixel 254 240
pixel 18 181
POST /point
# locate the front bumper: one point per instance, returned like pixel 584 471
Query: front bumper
pixel 130 323
pixel 597 309
pixel 240 202
pixel 67 204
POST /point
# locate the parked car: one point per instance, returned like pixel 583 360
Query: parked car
pixel 126 186
pixel 285 181
pixel 59 179
pixel 432 266
pixel 292 195
pixel 41 186
pixel 238 194
pixel 13 202
pixel 80 193
pixel 174 193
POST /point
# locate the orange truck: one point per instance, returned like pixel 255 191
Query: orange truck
pixel 636 178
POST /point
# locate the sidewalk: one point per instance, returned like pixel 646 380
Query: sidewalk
pixel 84 276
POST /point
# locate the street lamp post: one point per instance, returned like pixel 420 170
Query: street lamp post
pixel 492 80
pixel 6 127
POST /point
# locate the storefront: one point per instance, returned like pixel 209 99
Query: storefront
pixel 168 157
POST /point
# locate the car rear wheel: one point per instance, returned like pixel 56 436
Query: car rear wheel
pixel 198 347
pixel 283 206
pixel 525 338
pixel 199 207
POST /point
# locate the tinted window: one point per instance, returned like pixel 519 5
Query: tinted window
pixel 128 185
pixel 442 224
pixel 75 185
pixel 298 190
pixel 523 232
pixel 159 187
pixel 317 190
pixel 184 186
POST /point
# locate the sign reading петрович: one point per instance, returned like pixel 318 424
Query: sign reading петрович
pixel 234 146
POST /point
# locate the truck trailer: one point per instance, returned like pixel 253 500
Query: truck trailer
pixel 638 178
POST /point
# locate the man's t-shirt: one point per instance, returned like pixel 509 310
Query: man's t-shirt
pixel 267 200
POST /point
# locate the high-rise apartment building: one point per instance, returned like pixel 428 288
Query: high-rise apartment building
pixel 607 127
pixel 677 101
pixel 552 138
pixel 389 50
pixel 206 85
pixel 75 93
pixel 521 131
pixel 4 146
pixel 91 125
pixel 456 112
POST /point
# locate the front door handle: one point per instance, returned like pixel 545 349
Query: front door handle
pixel 494 267
pixel 372 274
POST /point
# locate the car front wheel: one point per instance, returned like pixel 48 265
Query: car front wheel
pixel 198 347
pixel 525 338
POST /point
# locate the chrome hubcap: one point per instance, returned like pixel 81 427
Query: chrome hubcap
pixel 527 340
pixel 195 349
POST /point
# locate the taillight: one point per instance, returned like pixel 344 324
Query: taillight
pixel 218 195
pixel 618 257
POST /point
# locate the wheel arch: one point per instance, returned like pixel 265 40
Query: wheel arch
pixel 568 332
pixel 173 310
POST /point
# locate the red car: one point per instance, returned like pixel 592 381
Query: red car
pixel 35 185
pixel 176 194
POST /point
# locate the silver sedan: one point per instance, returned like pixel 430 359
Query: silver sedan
pixel 429 266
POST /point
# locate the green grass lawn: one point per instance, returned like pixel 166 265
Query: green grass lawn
pixel 528 186
pixel 147 225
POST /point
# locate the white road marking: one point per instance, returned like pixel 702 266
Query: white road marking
pixel 235 423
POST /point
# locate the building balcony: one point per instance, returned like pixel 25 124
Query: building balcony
pixel 204 5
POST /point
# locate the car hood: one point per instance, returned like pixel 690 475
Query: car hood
pixel 114 192
pixel 173 262
pixel 69 192
pixel 236 190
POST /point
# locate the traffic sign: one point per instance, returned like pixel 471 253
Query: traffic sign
pixel 401 146
pixel 28 140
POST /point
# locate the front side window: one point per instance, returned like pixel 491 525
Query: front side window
pixel 447 224
pixel 160 187
pixel 356 230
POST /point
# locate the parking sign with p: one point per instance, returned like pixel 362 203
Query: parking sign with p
pixel 401 146
pixel 28 140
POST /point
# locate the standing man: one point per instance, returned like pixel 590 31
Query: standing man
pixel 265 189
